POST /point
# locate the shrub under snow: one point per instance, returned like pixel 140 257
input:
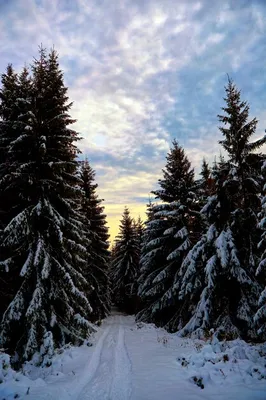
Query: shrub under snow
pixel 225 362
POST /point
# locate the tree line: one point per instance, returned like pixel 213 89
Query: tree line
pixel 202 259
pixel 197 263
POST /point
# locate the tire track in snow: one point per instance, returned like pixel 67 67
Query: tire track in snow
pixel 110 376
pixel 121 385
pixel 94 362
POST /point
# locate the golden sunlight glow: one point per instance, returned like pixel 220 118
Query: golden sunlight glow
pixel 114 213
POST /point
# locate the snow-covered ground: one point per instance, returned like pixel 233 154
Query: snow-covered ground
pixel 141 362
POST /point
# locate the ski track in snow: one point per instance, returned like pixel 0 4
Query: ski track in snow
pixel 109 371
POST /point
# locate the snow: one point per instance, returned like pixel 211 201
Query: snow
pixel 137 361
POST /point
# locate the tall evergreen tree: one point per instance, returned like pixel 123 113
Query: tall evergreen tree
pixel 205 185
pixel 97 271
pixel 125 265
pixel 8 132
pixel 205 171
pixel 139 228
pixel 153 282
pixel 8 98
pixel 218 275
pixel 47 239
pixel 149 211
pixel 260 316
pixel 167 238
pixel 178 176
pixel 8 94
pixel 14 109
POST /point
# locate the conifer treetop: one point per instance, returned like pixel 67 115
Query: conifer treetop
pixel 205 170
pixel 178 176
pixel 237 129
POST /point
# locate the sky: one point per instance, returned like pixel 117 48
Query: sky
pixel 142 73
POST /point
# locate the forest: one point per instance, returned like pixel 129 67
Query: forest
pixel 196 266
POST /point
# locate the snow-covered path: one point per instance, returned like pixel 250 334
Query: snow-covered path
pixel 130 361
pixel 109 370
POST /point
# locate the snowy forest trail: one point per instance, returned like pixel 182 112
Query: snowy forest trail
pixel 136 361
pixel 109 370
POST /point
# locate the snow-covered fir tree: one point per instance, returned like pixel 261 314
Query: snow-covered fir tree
pixel 149 212
pixel 204 185
pixel 8 98
pixel 125 264
pixel 218 286
pixel 152 263
pixel 47 239
pixel 167 238
pixel 14 107
pixel 99 255
pixel 205 172
pixel 178 176
pixel 260 316
pixel 8 95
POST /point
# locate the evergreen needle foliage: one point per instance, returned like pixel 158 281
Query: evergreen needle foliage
pixel 167 238
pixel 45 238
pixel 125 263
pixel 217 278
pixel 201 265
pixel 99 256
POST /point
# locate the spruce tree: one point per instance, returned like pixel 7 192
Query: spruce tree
pixel 149 211
pixel 8 132
pixel 125 264
pixel 218 284
pixel 99 256
pixel 205 171
pixel 260 316
pixel 167 238
pixel 152 265
pixel 8 115
pixel 47 239
pixel 14 109
pixel 8 95
pixel 139 228
pixel 204 185
pixel 178 176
